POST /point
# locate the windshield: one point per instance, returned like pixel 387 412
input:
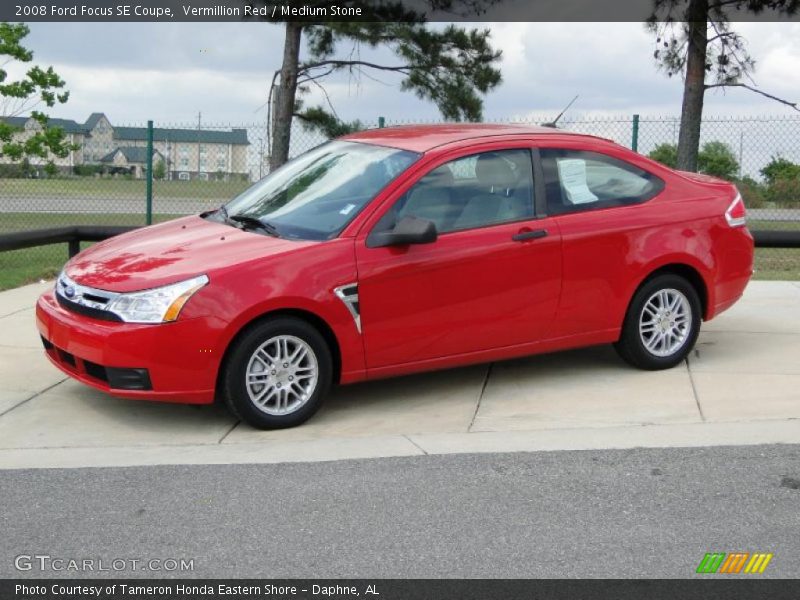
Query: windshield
pixel 314 196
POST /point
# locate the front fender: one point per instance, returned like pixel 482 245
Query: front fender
pixel 303 280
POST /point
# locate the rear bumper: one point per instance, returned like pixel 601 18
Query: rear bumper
pixel 175 360
pixel 735 268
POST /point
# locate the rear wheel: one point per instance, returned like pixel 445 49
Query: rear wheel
pixel 277 374
pixel 662 323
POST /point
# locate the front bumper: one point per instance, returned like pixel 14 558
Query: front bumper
pixel 177 361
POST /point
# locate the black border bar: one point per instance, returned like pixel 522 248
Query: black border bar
pixel 707 587
pixel 316 11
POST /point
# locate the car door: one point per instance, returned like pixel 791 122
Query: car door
pixel 492 278
pixel 600 203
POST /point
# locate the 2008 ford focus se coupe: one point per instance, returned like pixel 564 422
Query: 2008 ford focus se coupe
pixel 399 250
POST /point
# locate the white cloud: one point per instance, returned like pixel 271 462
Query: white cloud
pixel 510 38
pixel 135 95
pixel 169 72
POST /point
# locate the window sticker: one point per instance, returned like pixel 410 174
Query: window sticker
pixel 347 209
pixel 572 172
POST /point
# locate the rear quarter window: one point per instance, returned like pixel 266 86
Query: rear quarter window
pixel 578 180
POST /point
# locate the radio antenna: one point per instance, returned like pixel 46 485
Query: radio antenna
pixel 566 108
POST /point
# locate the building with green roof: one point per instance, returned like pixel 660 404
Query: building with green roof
pixel 188 153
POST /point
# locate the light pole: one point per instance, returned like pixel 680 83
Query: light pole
pixel 741 151
pixel 260 157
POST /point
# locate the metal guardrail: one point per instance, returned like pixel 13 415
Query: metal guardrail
pixel 76 234
pixel 72 236
pixel 777 239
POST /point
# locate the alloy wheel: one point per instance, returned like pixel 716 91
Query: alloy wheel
pixel 665 322
pixel 281 375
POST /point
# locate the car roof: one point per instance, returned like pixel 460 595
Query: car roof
pixel 421 138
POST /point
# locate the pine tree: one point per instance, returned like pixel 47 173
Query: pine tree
pixel 450 66
pixel 694 38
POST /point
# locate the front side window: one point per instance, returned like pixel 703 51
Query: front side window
pixel 317 194
pixel 577 180
pixel 470 192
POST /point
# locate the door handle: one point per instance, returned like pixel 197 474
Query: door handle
pixel 523 236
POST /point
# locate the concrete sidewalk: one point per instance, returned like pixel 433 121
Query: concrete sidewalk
pixel 740 386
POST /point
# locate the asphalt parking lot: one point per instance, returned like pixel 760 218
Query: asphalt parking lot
pixel 740 386
pixel 647 512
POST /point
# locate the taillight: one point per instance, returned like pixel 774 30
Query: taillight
pixel 736 215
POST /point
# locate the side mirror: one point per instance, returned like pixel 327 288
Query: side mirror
pixel 408 230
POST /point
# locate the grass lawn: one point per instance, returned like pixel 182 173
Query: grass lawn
pixel 19 267
pixel 777 263
pixel 118 188
pixel 773 225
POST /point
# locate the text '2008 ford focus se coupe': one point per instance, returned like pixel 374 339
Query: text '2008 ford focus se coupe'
pixel 399 250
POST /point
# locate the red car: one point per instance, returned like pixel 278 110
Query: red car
pixel 399 250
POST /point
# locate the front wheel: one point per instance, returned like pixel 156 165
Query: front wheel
pixel 662 323
pixel 277 374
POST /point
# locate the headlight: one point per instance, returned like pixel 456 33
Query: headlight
pixel 158 305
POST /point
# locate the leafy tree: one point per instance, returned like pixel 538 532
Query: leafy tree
pixel 779 168
pixel 449 66
pixel 159 170
pixel 784 192
pixel 26 168
pixel 752 192
pixel 717 159
pixel 50 169
pixel 19 170
pixel 88 170
pixel 694 39
pixel 666 154
pixel 38 86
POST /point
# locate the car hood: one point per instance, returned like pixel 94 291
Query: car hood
pixel 171 252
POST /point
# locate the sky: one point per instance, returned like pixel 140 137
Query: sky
pixel 170 72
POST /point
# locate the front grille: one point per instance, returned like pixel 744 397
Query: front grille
pixel 87 311
pixel 96 298
pixel 84 300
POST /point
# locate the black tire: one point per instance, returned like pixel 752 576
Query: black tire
pixel 631 346
pixel 234 382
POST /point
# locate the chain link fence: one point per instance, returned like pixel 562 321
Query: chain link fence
pixel 198 166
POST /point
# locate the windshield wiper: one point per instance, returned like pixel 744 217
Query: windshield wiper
pixel 254 222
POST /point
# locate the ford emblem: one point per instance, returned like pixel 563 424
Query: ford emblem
pixel 69 291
